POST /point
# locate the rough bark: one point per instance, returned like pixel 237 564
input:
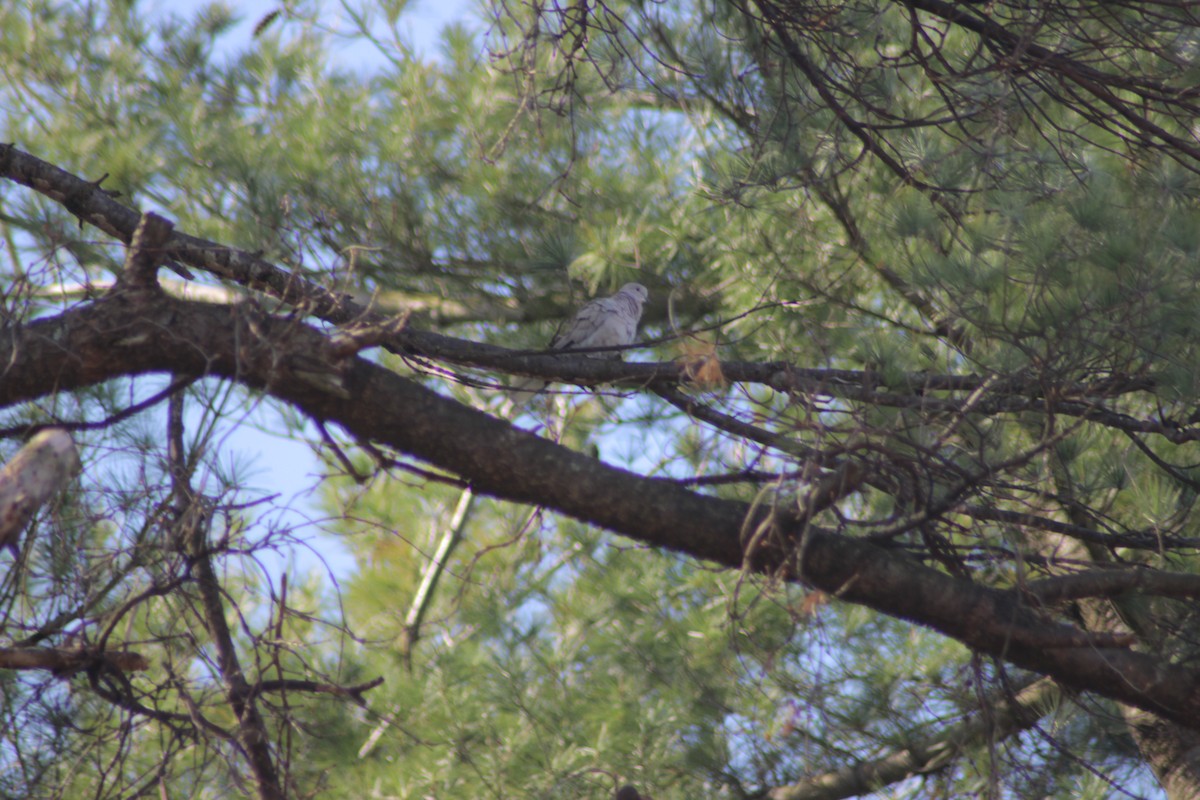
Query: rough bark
pixel 919 390
pixel 138 331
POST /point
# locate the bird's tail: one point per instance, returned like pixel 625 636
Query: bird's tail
pixel 524 390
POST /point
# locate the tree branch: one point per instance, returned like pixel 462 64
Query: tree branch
pixel 145 251
pixel 137 333
pixel 1014 395
pixel 1006 716
pixel 192 535
pixel 354 692
pixel 65 661
pixel 433 572
pixel 1113 583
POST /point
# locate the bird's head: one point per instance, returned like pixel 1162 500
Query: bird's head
pixel 635 290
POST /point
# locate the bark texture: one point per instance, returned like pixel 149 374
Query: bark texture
pixel 141 330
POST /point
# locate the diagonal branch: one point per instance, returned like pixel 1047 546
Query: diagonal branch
pixel 1007 716
pixel 136 333
pixel 1015 395
pixel 433 572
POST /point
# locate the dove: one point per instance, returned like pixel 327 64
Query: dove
pixel 603 322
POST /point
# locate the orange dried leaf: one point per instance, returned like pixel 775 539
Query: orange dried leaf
pixel 700 364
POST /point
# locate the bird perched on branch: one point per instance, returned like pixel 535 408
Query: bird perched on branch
pixel 603 322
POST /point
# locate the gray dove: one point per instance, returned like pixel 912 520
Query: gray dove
pixel 603 322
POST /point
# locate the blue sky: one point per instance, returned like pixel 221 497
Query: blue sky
pixel 282 464
pixel 423 19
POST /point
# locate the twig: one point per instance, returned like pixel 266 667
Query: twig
pixel 354 692
pixel 433 572
pixel 193 526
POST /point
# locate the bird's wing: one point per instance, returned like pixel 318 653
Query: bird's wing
pixel 590 322
pixel 605 322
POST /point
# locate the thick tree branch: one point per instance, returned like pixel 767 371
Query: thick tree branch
pixel 1016 395
pixel 135 333
pixel 95 206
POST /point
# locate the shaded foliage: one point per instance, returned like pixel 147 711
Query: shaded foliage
pixel 934 262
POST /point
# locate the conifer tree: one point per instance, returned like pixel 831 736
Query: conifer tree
pixel 894 496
